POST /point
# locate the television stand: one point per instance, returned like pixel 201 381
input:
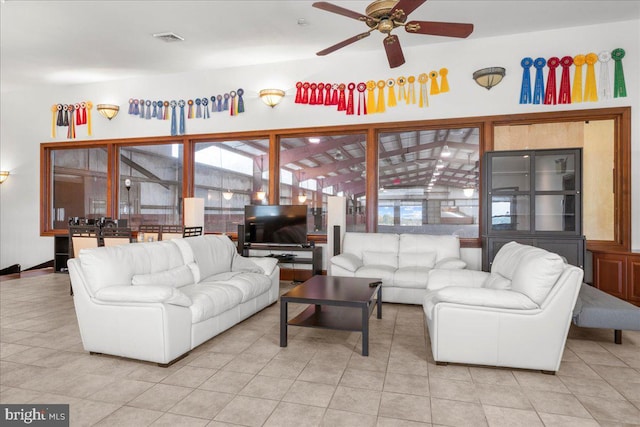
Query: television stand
pixel 288 254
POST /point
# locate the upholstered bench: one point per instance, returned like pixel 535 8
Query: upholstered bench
pixel 597 309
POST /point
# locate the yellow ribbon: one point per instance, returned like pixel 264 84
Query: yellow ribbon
pixel 381 85
pixel 411 98
pixel 371 98
pixel 424 97
pixel 391 93
pixel 402 80
pixel 590 89
pixel 54 113
pixel 89 107
pixel 434 83
pixel 444 83
pixel 576 90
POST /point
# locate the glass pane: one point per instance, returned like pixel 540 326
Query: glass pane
pixel 510 213
pixel 556 213
pixel 79 185
pixel 510 173
pixel 228 176
pixel 356 208
pixel 555 172
pixel 428 181
pixel 313 168
pixel 155 193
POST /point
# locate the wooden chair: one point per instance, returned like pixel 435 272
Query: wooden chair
pixel 114 236
pixel 171 232
pixel 192 231
pixel 152 231
pixel 83 237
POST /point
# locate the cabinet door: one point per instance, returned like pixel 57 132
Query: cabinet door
pixel 633 278
pixel 610 274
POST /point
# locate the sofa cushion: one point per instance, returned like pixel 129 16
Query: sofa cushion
pixel 209 300
pixel 267 264
pixel 411 277
pixel 356 243
pixel 536 273
pixel 148 294
pixel 445 246
pixel 497 281
pixel 349 262
pixel 213 253
pixel 188 258
pixel 242 264
pixel 383 272
pixel 175 277
pixel 450 264
pixel 417 259
pixel 496 298
pixel 249 284
pixel 507 258
pixel 380 258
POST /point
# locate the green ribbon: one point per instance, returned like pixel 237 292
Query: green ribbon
pixel 619 87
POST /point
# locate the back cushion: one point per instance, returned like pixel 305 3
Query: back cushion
pixel 380 258
pixel 507 258
pixel 417 259
pixel 174 278
pixel 444 246
pixel 357 243
pixel 213 254
pixel 116 265
pixel 536 272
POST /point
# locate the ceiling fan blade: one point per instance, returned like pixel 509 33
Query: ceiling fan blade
pixel 447 29
pixel 343 43
pixel 340 11
pixel 394 51
pixel 405 7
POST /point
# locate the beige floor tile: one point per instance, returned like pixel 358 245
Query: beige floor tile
pixel 557 403
pixel 173 420
pixel 121 391
pixel 453 390
pixel 405 406
pixel 402 366
pixel 599 358
pixel 18 395
pixel 617 373
pixel 86 412
pixel 591 387
pixel 408 384
pixel 358 378
pixel 247 363
pixel 539 381
pixel 212 360
pixel 493 376
pixel 577 369
pixel 503 396
pixel 267 387
pixel 283 368
pixel 160 397
pixel 510 417
pixel 376 361
pixel 338 418
pixel 631 391
pixel 295 415
pixel 456 413
pixel 450 372
pixel 321 373
pixel 237 412
pixel 84 385
pixel 307 393
pixel 395 422
pixel 202 404
pixel 555 420
pixel 30 355
pixel 19 376
pixel 127 416
pixel 9 349
pixel 603 409
pixel 189 376
pixel 356 400
pixel 151 373
pixel 227 382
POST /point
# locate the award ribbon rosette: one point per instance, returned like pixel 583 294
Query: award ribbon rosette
pixel 590 90
pixel 362 102
pixel 538 88
pixel 424 97
pixel 240 104
pixel 327 97
pixel 380 108
pixel 351 87
pixel 198 102
pixel 619 88
pixel 605 85
pixel 391 93
pixel 181 104
pixel 342 101
pixel 434 83
pixel 525 88
pixel 444 82
pixel 148 114
pixel 550 93
pixel 565 82
pixel 576 90
pixel 402 94
pixel 190 112
pixel 320 99
pixel 313 99
pixel 411 92
pixel 371 97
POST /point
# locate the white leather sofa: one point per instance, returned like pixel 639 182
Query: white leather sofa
pixel 516 316
pixel 156 301
pixel 402 261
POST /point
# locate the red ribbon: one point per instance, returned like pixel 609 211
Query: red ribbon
pixel 327 98
pixel 334 97
pixel 305 93
pixel 312 100
pixel 342 102
pixel 565 84
pixel 320 93
pixel 362 103
pixel 550 94
pixel 298 93
pixel 351 87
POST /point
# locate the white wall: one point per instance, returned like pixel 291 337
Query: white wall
pixel 25 116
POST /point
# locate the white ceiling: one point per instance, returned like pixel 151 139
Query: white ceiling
pixel 74 42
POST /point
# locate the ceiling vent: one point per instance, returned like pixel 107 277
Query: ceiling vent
pixel 169 37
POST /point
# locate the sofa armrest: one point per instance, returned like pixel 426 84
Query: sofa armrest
pixel 443 278
pixel 143 294
pixel 451 263
pixel 268 264
pixel 347 261
pixel 495 298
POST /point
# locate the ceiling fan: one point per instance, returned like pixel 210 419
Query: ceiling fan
pixel 385 16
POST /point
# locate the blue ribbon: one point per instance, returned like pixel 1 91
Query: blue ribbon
pixel 142 108
pixel 198 102
pixel 181 103
pixel 205 105
pixel 538 92
pixel 213 104
pixel 155 109
pixel 160 116
pixel 225 107
pixel 240 101
pixel 131 106
pixel 148 115
pixel 173 104
pixel 525 90
pixel 136 107
pixel 219 98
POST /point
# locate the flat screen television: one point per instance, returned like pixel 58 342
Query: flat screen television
pixel 275 224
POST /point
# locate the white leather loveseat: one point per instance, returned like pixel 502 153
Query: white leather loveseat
pixel 157 301
pixel 402 261
pixel 516 316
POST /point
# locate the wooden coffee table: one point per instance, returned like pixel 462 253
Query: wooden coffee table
pixel 343 303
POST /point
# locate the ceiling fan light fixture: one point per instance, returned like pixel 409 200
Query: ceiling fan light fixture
pixel 489 77
pixel 445 151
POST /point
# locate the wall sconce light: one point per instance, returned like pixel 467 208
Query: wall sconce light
pixel 3 176
pixel 227 195
pixel 108 110
pixel 468 192
pixel 489 77
pixel 271 97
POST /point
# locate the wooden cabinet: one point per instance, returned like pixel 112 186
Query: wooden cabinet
pixel 60 252
pixel 618 274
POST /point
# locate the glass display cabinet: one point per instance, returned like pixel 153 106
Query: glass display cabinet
pixel 534 197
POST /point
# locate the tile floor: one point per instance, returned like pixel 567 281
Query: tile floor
pixel 242 377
